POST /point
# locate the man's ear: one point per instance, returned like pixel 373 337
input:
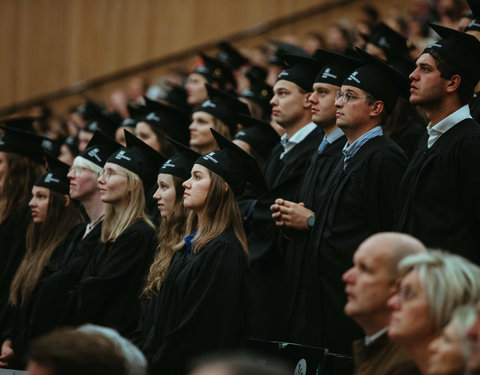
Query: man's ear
pixel 67 200
pixel 226 187
pixel 453 83
pixel 306 102
pixel 395 286
pixel 377 108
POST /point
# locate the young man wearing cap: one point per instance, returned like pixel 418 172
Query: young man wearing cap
pixel 283 170
pixel 438 197
pixel 297 217
pixel 370 283
pixel 358 201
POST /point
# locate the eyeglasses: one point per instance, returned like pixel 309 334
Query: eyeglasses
pixel 346 96
pixel 107 174
pixel 77 170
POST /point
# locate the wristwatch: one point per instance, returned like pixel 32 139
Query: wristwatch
pixel 311 221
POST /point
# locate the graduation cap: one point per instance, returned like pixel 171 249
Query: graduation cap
pixel 215 70
pixel 99 149
pixel 90 110
pixel 230 55
pixel 335 67
pixel 258 134
pixel 403 64
pixel 56 177
pixel 136 111
pixel 301 70
pixel 22 143
pixel 171 120
pixel 388 40
pixel 260 93
pixel 460 50
pixel 51 146
pixel 129 123
pixel 379 79
pixel 24 124
pixel 181 164
pixel 103 123
pixel 282 49
pixel 474 25
pixel 139 158
pixel 72 144
pixel 224 107
pixel 256 73
pixel 177 96
pixel 233 164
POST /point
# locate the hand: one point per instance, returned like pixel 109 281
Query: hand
pixel 7 353
pixel 290 214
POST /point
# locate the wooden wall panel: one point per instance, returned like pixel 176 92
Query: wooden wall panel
pixel 49 45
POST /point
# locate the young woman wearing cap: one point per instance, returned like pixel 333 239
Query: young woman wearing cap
pixel 108 293
pixel 202 301
pixel 53 216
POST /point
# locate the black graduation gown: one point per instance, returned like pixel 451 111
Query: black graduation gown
pixel 439 200
pixel 282 177
pixel 408 139
pixel 201 306
pixel 108 292
pixel 13 232
pixel 475 107
pixel 319 170
pixel 358 202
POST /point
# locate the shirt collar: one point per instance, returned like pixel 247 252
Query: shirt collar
pixel 370 339
pixel 337 133
pixel 349 151
pixel 300 135
pixel 434 132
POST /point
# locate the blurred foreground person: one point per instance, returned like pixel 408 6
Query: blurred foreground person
pixel 449 351
pixel 90 350
pixel 370 283
pixel 473 333
pixel 434 284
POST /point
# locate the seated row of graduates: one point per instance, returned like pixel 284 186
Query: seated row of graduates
pixel 107 271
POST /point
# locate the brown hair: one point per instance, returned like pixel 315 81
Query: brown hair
pixel 16 187
pixel 42 239
pixel 171 232
pixel 114 224
pixel 70 352
pixel 220 213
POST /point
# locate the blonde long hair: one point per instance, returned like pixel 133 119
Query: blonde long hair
pixel 220 213
pixel 42 240
pixel 114 224
pixel 171 232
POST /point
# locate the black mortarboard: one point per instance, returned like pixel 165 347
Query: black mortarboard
pixel 259 91
pixel 474 25
pixel 216 71
pixel 460 50
pixel 284 49
pixel 258 134
pixel 181 164
pixel 90 110
pixel 129 122
pixel 171 120
pixel 139 158
pixel 177 96
pixel 301 70
pixel 22 143
pixel 233 164
pixel 99 149
pixel 72 144
pixel 380 80
pixel 403 64
pixel 230 56
pixel 136 111
pixel 24 124
pixel 56 177
pixel 224 107
pixel 335 67
pixel 388 40
pixel 51 146
pixel 256 73
pixel 103 123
